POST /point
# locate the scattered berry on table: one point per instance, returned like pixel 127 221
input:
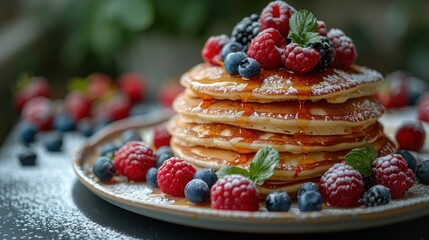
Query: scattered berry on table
pixel 235 192
pixel 409 158
pixel 161 158
pixel 63 123
pixel 130 135
pixel 29 88
pixel 208 175
pixel 411 136
pixel 133 160
pixel 249 68
pixel 327 53
pixel 173 176
pixel 246 30
pixel 151 177
pixel 161 137
pixel 77 105
pixel 108 149
pixel 308 186
pixel 423 108
pixel 99 86
pixel 345 51
pixel 277 202
pixel 310 201
pixel 85 127
pixel 267 48
pixel 39 111
pixel 212 48
pixel 321 28
pixel 230 47
pixel 392 172
pixel 300 60
pixel 232 62
pixel 341 185
pixel 27 132
pixel 115 108
pixel 53 141
pixel 133 85
pixel 393 92
pixel 422 172
pixel 276 15
pixel 27 158
pixel 376 196
pixel 168 92
pixel 197 191
pixel 104 169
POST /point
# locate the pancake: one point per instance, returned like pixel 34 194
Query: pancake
pixel 311 118
pixel 291 166
pixel 244 140
pixel 333 85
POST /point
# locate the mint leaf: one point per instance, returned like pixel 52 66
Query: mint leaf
pixel 303 28
pixel 228 170
pixel 361 158
pixel 263 164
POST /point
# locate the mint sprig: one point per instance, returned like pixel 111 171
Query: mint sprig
pixel 261 168
pixel 303 28
pixel 361 159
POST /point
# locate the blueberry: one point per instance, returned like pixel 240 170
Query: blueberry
pixel 208 175
pixel 163 149
pixel 130 135
pixel 308 186
pixel 310 201
pixel 161 158
pixel 63 123
pixel 249 68
pixel 85 127
pixel 151 177
pixel 230 48
pixel 197 191
pixel 278 202
pixel 27 158
pixel 53 141
pixel 104 169
pixel 376 195
pixel 422 172
pixel 108 149
pixel 411 160
pixel 27 132
pixel 232 61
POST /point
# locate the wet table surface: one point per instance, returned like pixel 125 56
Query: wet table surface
pixel 46 201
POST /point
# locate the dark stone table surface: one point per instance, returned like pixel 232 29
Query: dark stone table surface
pixel 46 201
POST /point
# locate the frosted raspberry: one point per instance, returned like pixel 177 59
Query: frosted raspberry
pixel 267 48
pixel 212 48
pixel 411 136
pixel 173 175
pixel 300 60
pixel 345 51
pixel 235 192
pixel 133 160
pixel 276 15
pixel 341 185
pixel 392 172
pixel 321 28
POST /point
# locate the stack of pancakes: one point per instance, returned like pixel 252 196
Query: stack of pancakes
pixel 313 120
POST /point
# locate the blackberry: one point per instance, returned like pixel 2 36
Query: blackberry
pixel 327 53
pixel 375 196
pixel 246 30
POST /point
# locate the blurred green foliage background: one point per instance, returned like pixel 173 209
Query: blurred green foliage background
pixel 161 39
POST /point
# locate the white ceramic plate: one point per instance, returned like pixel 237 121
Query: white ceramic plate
pixel 141 199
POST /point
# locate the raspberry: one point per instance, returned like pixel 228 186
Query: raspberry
pixel 321 28
pixel 161 137
pixel 77 105
pixel 300 60
pixel 327 53
pixel 133 160
pixel 411 136
pixel 392 172
pixel 115 108
pixel 39 111
pixel 276 15
pixel 99 86
pixel 245 31
pixel 173 176
pixel 235 192
pixel 345 51
pixel 29 88
pixel 133 85
pixel 394 92
pixel 267 48
pixel 423 108
pixel 168 92
pixel 341 185
pixel 212 48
